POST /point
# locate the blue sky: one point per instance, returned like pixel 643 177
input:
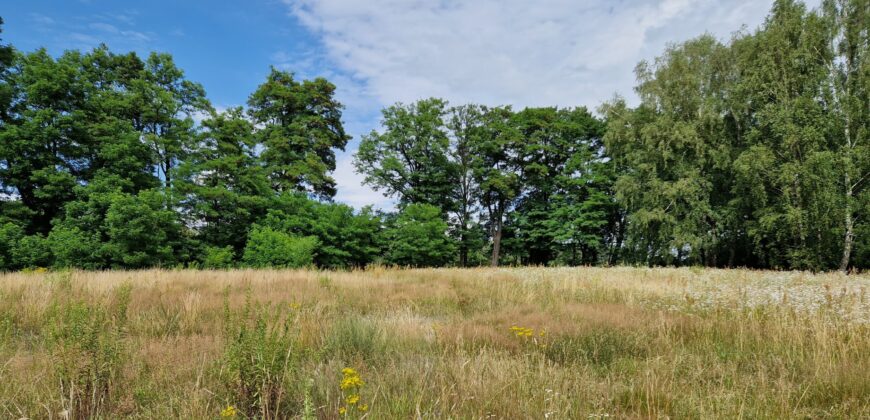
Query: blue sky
pixel 518 52
pixel 225 47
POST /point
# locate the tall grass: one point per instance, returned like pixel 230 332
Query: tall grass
pixel 477 343
pixel 261 359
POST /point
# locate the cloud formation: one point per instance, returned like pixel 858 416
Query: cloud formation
pixel 545 52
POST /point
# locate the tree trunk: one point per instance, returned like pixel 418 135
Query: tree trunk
pixel 731 252
pixel 167 166
pixel 613 258
pixel 496 244
pixel 573 253
pixel 463 250
pixel 463 237
pixel 850 228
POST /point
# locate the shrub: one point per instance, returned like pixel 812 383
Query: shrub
pixel 140 230
pixel 269 248
pixel 31 251
pixel 10 234
pixel 419 238
pixel 73 248
pixel 347 238
pixel 216 257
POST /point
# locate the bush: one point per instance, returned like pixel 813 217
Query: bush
pixel 347 238
pixel 31 251
pixel 140 230
pixel 10 234
pixel 73 248
pixel 419 238
pixel 268 248
pixel 216 257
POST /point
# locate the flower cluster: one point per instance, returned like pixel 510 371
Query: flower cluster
pixel 229 412
pixel 351 385
pixel 528 335
pixel 522 331
pixel 833 298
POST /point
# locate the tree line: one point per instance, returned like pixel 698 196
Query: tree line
pixel 753 152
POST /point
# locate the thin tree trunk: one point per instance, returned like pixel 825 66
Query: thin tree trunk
pixel 613 258
pixel 850 228
pixel 167 167
pixel 731 253
pixel 496 243
pixel 849 236
pixel 841 93
pixel 463 248
pixel 463 237
pixel 573 253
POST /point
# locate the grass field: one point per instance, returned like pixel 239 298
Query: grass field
pixel 446 343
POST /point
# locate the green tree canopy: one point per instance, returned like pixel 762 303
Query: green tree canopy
pixel 301 129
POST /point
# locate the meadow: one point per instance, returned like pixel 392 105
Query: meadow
pixel 435 343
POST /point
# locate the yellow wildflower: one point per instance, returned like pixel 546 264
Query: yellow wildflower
pixel 230 411
pixel 522 331
pixel 351 382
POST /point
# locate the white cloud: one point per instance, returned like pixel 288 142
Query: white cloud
pixel 113 30
pixel 545 52
pixel 519 52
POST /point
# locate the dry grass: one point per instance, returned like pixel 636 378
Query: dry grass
pixel 618 343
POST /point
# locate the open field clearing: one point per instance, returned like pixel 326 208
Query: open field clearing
pixel 438 343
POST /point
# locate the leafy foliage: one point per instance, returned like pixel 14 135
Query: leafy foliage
pixel 345 239
pixel 269 248
pixel 418 238
pixel 302 126
pixel 748 153
pixel 217 258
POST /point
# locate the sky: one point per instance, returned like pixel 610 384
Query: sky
pixel 377 52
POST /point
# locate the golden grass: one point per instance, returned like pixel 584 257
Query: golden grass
pixel 607 342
